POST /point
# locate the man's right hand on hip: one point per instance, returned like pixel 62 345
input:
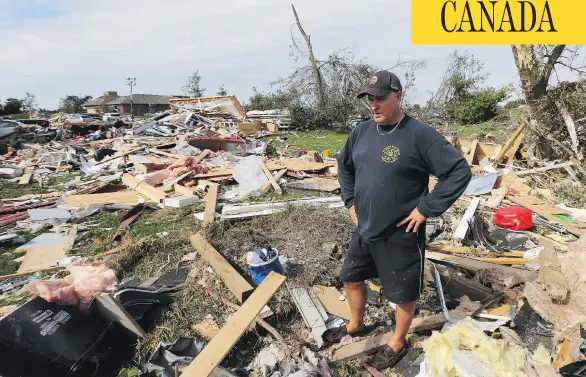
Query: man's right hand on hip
pixel 352 213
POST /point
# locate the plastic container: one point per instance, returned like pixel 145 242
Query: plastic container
pixel 514 218
pixel 259 271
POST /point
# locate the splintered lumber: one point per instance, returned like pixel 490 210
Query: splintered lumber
pixel 84 201
pixel 460 250
pixel 472 153
pixel 511 147
pixel 215 351
pixel 511 261
pixel 120 155
pixel 231 278
pixel 271 179
pixel 462 229
pixel 202 155
pixel 183 190
pixel 370 345
pixel 171 155
pixel 143 188
pixel 570 125
pixel 26 177
pixel 477 265
pixel 211 199
pixel 264 188
pixel 545 168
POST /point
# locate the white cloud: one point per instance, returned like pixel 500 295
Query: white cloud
pixel 90 46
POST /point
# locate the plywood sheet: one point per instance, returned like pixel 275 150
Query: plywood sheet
pixel 84 201
pixel 42 257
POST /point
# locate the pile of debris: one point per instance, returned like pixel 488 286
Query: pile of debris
pixel 503 294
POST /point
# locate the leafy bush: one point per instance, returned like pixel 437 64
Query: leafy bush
pixel 477 107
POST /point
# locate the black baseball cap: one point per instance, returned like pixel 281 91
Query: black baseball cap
pixel 381 84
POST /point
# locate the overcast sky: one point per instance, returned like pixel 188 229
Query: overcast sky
pixel 57 47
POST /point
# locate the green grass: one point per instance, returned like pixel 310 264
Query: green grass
pixel 313 141
pixel 7 264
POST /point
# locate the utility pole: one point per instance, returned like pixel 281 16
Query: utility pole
pixel 131 81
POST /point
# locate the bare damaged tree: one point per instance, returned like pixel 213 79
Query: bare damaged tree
pixel 536 64
pixel 317 78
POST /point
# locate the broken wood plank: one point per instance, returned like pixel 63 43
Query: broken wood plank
pixel 183 190
pixel 370 345
pixel 545 168
pixel 570 125
pixel 511 146
pixel 41 258
pixel 119 156
pixel 169 186
pixel 215 351
pixel 501 310
pixel 477 265
pixel 231 278
pixel 315 184
pixel 143 188
pixel 171 155
pixel 458 286
pixel 26 178
pixel 330 299
pixel 460 250
pixel 472 153
pixel 264 188
pixel 201 156
pixel 208 328
pixel 211 200
pixel 271 179
pixel 464 224
pixel 505 261
pixel 83 201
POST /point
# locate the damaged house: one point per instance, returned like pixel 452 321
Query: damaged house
pixel 141 103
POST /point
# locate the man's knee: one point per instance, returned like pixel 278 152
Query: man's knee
pixel 354 285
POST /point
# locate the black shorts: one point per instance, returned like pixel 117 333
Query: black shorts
pixel 397 260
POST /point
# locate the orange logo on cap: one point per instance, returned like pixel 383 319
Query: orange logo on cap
pixel 373 80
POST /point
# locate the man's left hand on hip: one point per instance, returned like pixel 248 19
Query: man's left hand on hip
pixel 415 219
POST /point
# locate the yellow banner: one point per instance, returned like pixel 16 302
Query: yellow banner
pixel 498 22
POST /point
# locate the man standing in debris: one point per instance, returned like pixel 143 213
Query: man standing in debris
pixel 384 172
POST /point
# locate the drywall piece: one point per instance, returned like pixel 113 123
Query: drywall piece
pixel 312 311
pixel 330 299
pixel 39 214
pixel 181 201
pixel 462 228
pixel 231 278
pixel 110 309
pixel 211 356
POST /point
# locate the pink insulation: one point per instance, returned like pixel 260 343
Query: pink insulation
pixel 77 289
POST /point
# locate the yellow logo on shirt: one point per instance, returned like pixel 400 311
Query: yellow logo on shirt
pixel 391 154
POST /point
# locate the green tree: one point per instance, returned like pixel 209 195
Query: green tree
pixel 222 91
pixel 12 106
pixel 72 104
pixel 193 86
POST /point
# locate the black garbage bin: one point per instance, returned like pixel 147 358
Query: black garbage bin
pixel 44 339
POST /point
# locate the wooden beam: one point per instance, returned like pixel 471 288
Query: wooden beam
pixel 271 179
pixel 121 155
pixel 370 345
pixel 171 155
pixel 472 153
pixel 201 156
pixel 212 355
pixel 211 199
pixel 183 190
pixel 143 188
pixel 509 147
pixel 231 278
pixel 461 250
pixel 505 261
pixel 264 188
pixel 545 168
pixel 477 265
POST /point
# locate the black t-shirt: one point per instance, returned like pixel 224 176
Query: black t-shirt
pixel 386 176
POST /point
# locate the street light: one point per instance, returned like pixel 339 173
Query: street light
pixel 131 81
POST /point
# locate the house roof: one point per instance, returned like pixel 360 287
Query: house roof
pixel 137 99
